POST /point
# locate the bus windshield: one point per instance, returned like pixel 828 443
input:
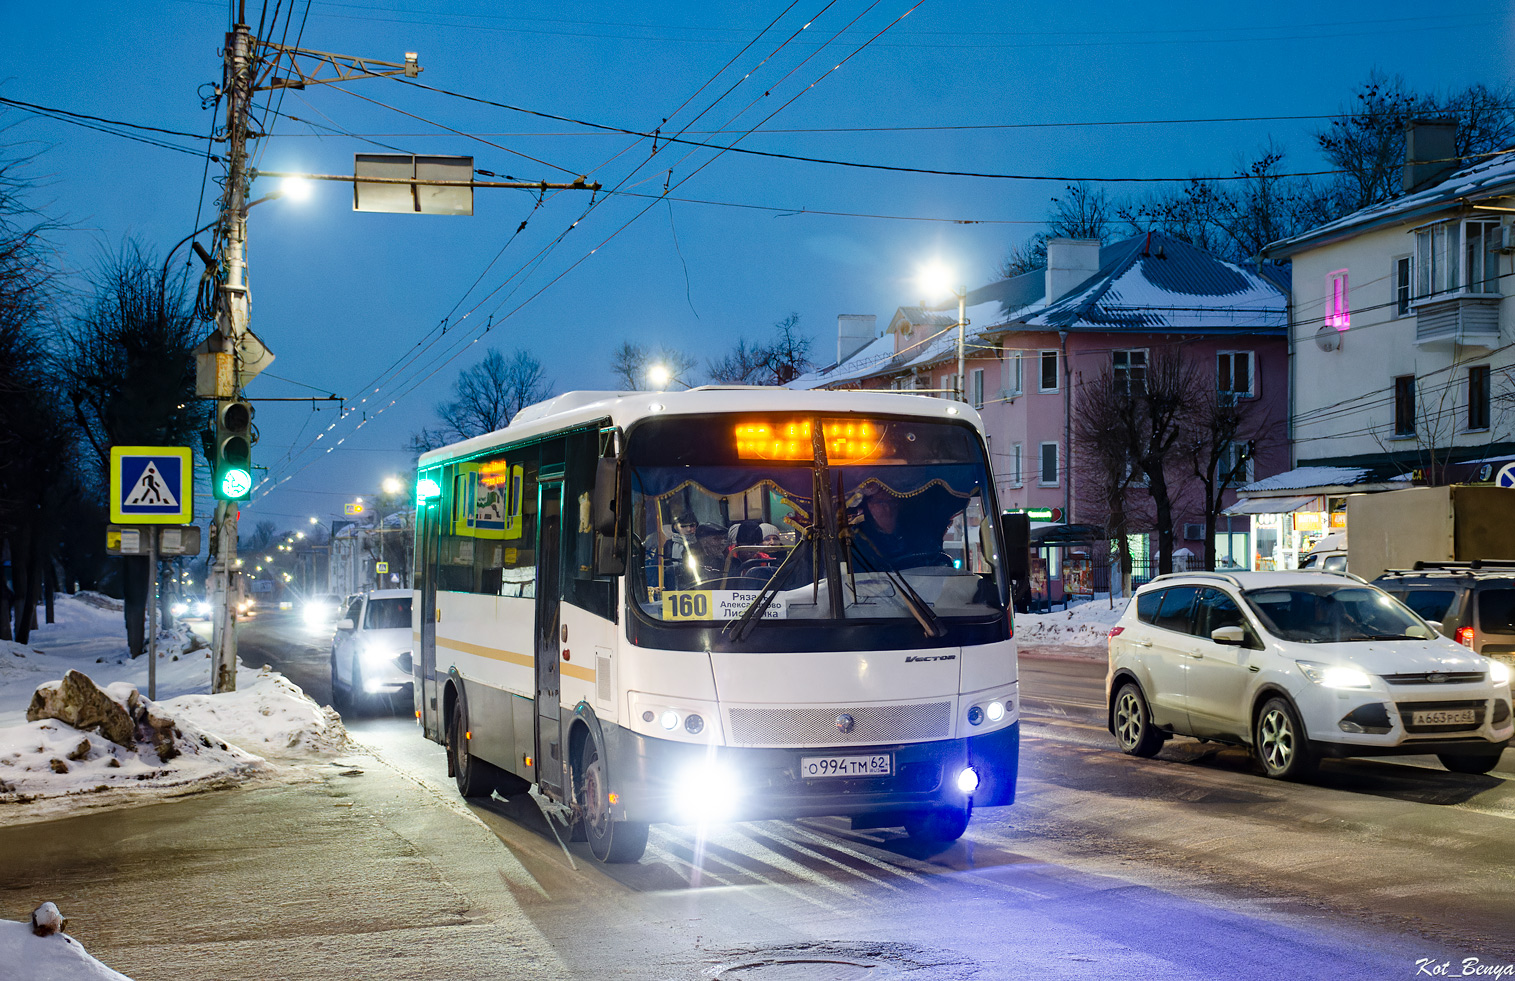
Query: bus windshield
pixel 888 514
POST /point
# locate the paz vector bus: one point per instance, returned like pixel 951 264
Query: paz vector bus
pixel 720 604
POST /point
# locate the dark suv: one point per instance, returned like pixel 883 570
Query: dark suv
pixel 1473 601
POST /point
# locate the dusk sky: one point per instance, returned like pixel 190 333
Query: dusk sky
pixel 349 302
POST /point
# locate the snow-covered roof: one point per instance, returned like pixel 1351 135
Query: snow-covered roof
pixel 1147 284
pixel 1306 478
pixel 1493 177
pixel 1157 284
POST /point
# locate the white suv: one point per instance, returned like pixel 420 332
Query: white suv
pixel 371 652
pixel 1299 665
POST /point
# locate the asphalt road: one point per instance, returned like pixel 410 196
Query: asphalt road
pixel 1189 865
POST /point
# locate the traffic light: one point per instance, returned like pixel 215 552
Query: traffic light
pixel 231 467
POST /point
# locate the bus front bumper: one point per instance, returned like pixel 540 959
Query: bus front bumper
pixel 659 781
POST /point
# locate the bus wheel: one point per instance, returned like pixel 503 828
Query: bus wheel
pixel 609 840
pixel 939 825
pixel 473 775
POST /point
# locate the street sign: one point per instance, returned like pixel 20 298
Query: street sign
pixel 381 568
pixel 394 577
pixel 1506 476
pixel 126 540
pixel 352 508
pixel 151 485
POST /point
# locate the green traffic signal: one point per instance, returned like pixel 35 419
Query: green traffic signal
pixel 231 469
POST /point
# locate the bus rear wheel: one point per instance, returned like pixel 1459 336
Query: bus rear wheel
pixel 474 776
pixel 939 825
pixel 610 841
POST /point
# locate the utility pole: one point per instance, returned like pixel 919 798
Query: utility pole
pixel 231 319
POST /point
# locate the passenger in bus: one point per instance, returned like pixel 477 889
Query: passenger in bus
pixel 883 535
pixel 704 564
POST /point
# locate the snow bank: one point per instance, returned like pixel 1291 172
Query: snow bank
pixel 58 957
pixel 268 714
pixel 1081 629
pixel 218 740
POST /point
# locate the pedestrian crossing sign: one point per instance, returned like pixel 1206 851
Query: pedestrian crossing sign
pixel 152 485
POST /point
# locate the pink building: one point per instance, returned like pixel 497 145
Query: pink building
pixel 1038 342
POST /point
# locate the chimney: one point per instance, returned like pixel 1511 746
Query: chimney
pixel 1070 261
pixel 1430 152
pixel 853 332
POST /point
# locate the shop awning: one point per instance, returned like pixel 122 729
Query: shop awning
pixel 1269 505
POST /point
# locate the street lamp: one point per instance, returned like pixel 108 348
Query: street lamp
pixel 659 376
pixel 936 279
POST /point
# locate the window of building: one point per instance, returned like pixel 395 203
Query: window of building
pixel 1049 380
pixel 1130 369
pixel 1402 286
pixel 1338 309
pixel 1049 474
pixel 1478 397
pixel 949 387
pixel 1236 459
pixel 1234 373
pixel 1457 256
pixel 1480 265
pixel 1015 464
pixel 902 383
pixel 1404 405
pixel 1013 373
pixel 976 387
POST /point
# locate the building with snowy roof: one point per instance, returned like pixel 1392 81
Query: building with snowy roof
pixel 1036 341
pixel 1400 340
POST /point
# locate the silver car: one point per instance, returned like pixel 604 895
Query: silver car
pixel 371 652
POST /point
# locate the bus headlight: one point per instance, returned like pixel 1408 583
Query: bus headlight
pixel 996 711
pixel 669 719
pixel 967 780
pixel 706 793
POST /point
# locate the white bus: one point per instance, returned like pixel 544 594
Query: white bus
pixel 720 604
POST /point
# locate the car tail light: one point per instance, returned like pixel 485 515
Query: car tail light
pixel 1115 632
pixel 1464 636
pixel 1010 621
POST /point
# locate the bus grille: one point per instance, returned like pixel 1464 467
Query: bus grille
pixel 818 726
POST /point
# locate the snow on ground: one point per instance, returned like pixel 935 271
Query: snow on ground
pixel 52 958
pixel 1081 629
pixel 47 766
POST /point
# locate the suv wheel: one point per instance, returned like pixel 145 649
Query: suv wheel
pixel 1133 723
pixel 1470 762
pixel 1280 743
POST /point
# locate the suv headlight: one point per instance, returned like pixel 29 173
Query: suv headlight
pixel 1335 675
pixel 1499 672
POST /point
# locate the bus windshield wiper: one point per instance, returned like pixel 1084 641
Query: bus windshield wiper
pixel 914 602
pixel 742 626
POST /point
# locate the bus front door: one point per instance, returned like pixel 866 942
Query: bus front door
pixel 550 769
pixel 426 566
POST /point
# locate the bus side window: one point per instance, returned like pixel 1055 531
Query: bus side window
pixel 580 585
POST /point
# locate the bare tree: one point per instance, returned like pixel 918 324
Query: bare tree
pixel 1105 466
pixel 485 397
pixel 630 363
pixel 1225 436
pixel 1080 211
pixel 128 364
pixel 777 362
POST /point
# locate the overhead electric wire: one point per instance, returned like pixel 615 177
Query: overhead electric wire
pixel 597 247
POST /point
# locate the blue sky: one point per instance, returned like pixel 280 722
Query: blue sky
pixel 343 297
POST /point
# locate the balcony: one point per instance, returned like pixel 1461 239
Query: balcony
pixel 1460 319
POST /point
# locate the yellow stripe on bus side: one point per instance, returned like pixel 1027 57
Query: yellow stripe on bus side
pixel 493 653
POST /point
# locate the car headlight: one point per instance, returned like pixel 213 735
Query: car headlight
pixel 179 609
pixel 202 609
pixel 1335 675
pixel 378 655
pixel 1499 672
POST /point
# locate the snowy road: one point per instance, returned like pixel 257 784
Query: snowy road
pixel 1185 866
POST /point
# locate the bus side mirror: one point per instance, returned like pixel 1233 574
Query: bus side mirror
pixel 602 511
